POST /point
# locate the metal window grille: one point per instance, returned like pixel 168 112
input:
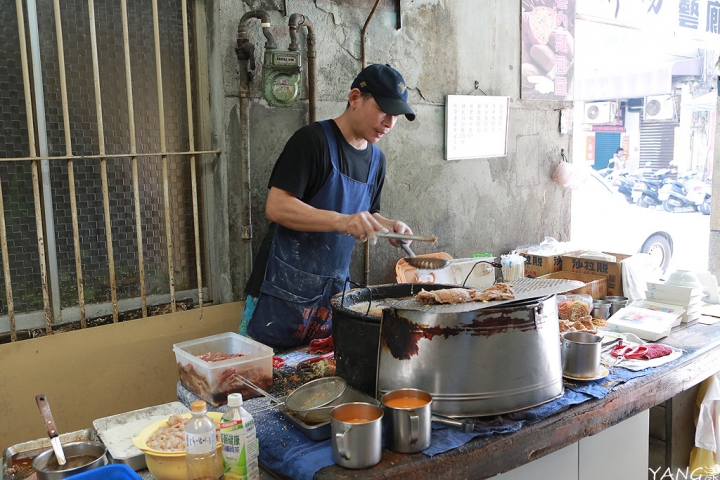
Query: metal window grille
pixel 98 181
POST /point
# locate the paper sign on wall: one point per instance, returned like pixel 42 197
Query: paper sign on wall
pixel 476 126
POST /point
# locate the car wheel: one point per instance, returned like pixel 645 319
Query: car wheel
pixel 705 206
pixel 659 247
pixel 668 207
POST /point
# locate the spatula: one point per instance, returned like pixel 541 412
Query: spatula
pixel 423 263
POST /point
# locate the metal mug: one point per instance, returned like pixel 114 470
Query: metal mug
pixel 581 354
pixel 601 309
pixel 408 420
pixel 356 433
pixel 616 303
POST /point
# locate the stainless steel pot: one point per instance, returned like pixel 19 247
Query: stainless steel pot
pixel 581 354
pixel 81 457
pixel 473 361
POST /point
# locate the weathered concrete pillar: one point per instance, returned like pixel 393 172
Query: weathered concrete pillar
pixel 714 249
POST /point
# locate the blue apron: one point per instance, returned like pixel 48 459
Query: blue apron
pixel 305 269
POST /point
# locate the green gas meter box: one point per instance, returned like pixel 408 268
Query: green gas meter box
pixel 282 79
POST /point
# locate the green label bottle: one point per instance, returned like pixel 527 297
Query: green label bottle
pixel 239 442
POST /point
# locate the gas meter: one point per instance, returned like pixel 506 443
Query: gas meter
pixel 281 78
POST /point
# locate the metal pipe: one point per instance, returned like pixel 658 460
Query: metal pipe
pixel 163 148
pixel 364 32
pixel 264 18
pixel 103 161
pixel 134 159
pixel 245 52
pixel 191 140
pixel 298 20
pixel 46 231
pixel 70 166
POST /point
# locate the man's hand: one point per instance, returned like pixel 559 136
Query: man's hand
pixel 362 226
pixel 395 226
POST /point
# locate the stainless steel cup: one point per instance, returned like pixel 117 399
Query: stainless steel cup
pixel 601 309
pixel 581 354
pixel 408 426
pixel 356 433
pixel 616 303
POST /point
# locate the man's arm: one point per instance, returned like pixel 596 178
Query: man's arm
pixel 289 211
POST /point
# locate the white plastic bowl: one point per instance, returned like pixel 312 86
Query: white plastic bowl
pixel 684 278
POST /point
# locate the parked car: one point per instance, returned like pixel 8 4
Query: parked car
pixel 602 219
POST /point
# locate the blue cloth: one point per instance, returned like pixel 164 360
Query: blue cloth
pixel 285 449
pixel 247 313
pixel 305 269
pixel 600 388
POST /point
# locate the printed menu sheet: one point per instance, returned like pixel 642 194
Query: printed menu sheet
pixel 476 126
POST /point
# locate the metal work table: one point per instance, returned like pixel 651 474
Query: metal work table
pixel 487 457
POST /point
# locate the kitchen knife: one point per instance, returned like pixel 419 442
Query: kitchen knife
pixel 51 428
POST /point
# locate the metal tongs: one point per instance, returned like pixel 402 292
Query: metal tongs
pixel 423 263
pixel 51 428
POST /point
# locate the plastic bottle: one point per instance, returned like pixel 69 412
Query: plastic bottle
pixel 201 445
pixel 239 443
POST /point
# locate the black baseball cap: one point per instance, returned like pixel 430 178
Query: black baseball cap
pixel 387 87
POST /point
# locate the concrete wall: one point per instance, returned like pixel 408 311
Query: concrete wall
pixel 444 47
pixel 98 372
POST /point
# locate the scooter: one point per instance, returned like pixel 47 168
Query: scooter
pixel 646 191
pixel 625 186
pixel 686 192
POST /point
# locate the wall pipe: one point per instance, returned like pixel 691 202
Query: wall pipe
pixel 364 31
pixel 362 58
pixel 298 20
pixel 245 52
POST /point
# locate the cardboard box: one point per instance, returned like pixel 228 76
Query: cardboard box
pixel 537 265
pixel 595 285
pixel 647 324
pixel 675 290
pixel 572 262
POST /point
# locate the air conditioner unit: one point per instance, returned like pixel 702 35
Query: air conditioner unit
pixel 659 107
pixel 600 112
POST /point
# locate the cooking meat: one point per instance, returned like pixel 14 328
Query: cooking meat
pixel 445 295
pixel 499 291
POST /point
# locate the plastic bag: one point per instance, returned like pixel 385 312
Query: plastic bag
pixel 567 174
pixel 573 307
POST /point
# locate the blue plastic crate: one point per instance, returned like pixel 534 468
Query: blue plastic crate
pixel 108 472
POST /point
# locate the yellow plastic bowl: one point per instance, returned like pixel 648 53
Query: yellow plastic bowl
pixel 169 465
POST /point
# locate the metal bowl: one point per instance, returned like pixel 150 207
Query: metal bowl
pixel 81 457
pixel 313 401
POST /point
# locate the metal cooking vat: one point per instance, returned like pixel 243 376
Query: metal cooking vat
pixel 474 362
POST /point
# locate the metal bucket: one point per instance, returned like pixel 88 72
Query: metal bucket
pixel 474 362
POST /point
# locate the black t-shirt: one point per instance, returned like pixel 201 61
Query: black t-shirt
pixel 303 168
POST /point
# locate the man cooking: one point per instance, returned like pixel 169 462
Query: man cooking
pixel 324 195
